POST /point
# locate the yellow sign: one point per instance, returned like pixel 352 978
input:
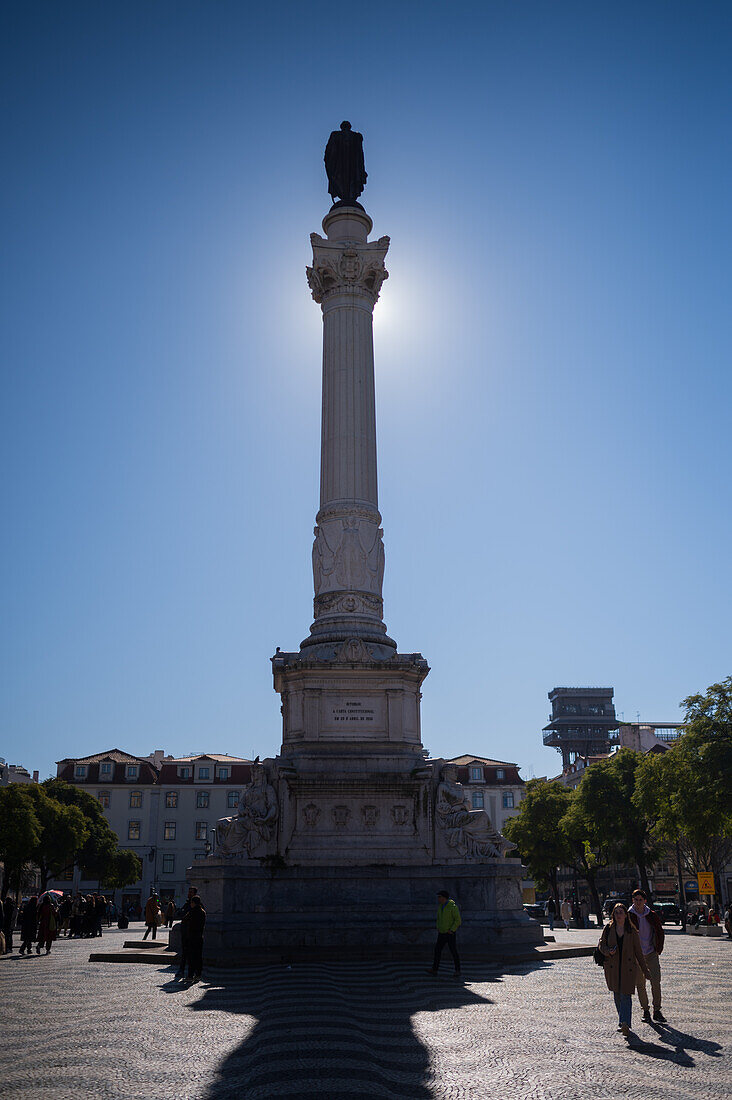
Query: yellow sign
pixel 705 882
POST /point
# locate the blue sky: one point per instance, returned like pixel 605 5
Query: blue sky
pixel 552 359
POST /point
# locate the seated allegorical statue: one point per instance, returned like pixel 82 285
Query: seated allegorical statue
pixel 255 820
pixel 470 832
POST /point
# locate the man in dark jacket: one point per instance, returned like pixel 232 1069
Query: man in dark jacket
pixel 652 937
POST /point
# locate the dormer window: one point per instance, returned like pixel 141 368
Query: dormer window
pixel 204 773
pixel 500 773
pixel 80 771
pixel 131 771
pixel 184 773
pixel 476 774
pixel 105 769
pixel 223 773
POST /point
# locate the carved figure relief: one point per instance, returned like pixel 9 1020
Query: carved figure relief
pixel 341 815
pixel 255 822
pixel 400 814
pixel 311 813
pixel 370 816
pixel 353 651
pixel 469 832
pixel 348 554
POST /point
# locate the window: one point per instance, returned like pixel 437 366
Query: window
pixel 477 797
pixel 80 771
pixel 232 799
pixel 135 800
pixel 103 799
pixel 131 771
pixel 169 830
pixel 105 768
pixel 476 774
pixel 204 773
pixel 202 800
pixel 67 875
pixel 184 773
pixel 595 708
pixel 133 830
pixel 500 773
pixel 201 830
pixel 171 800
pixel 168 865
pixel 570 708
pixel 223 773
pixel 508 800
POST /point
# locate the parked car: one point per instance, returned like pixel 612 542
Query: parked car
pixel 615 899
pixel 668 911
pixel 535 910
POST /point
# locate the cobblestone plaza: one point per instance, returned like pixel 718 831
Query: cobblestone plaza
pixel 74 1030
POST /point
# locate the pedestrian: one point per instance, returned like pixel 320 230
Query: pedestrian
pixel 184 946
pixel 47 924
pixel 170 914
pixel 195 919
pixel 8 923
pixel 152 911
pixel 728 921
pixel 650 928
pixel 620 944
pixel 565 910
pixel 448 922
pixel 28 925
pixel 100 912
pixel 64 915
pixel 585 912
pixel 551 911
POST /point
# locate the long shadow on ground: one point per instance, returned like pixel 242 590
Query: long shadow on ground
pixel 331 1031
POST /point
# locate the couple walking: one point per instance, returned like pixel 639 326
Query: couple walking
pixel 631 944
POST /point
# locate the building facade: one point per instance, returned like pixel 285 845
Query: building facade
pixel 493 785
pixel 163 808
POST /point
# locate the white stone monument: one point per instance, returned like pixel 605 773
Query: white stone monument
pixel 343 840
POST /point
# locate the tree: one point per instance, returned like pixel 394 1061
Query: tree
pixel 536 830
pixel 622 826
pixel 688 789
pixel 63 832
pixel 20 832
pixel 123 869
pixel 588 850
pixel 97 852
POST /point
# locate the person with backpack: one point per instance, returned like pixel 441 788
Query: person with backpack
pixel 620 945
pixel 448 922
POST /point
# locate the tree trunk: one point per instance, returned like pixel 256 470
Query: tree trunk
pixel 640 860
pixel 555 889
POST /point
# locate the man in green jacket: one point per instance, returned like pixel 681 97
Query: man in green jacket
pixel 448 922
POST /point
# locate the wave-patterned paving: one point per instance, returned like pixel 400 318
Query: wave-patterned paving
pixel 330 1031
pixel 72 1030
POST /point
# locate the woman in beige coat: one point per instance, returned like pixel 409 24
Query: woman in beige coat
pixel 620 944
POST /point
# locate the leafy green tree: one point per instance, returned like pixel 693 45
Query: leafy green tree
pixel 20 832
pixel 537 833
pixel 621 825
pixel 97 852
pixel 688 789
pixel 123 869
pixel 63 832
pixel 588 850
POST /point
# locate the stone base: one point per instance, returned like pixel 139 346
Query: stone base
pixel 337 912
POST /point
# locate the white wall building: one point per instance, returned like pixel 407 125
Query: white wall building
pixel 163 808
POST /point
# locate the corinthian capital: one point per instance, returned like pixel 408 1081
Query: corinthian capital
pixel 347 267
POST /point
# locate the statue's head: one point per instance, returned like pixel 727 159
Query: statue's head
pixel 449 772
pixel 345 126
